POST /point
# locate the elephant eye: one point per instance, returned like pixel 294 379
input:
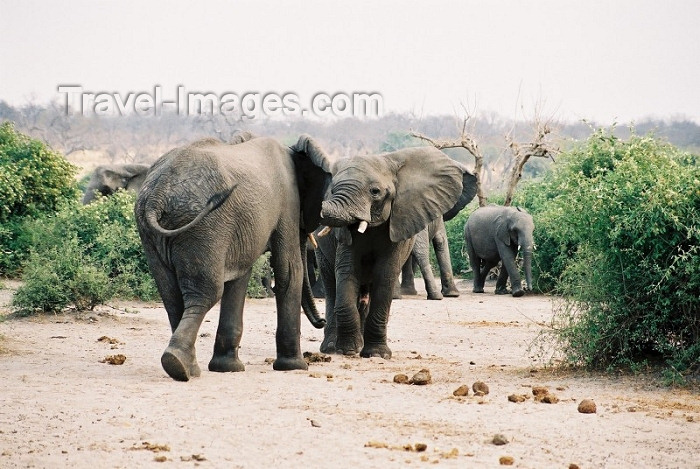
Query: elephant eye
pixel 375 191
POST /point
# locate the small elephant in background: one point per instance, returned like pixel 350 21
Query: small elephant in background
pixel 436 234
pixel 107 179
pixel 494 233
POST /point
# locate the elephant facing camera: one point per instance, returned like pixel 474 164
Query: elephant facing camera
pixel 494 234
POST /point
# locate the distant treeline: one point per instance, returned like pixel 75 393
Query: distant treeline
pixel 138 139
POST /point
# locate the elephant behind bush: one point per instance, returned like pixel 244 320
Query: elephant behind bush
pixel 107 179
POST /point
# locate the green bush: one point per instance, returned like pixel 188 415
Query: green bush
pixel 34 180
pixel 84 256
pixel 618 236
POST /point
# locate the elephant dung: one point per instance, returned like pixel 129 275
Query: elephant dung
pixel 421 378
pixel 461 391
pixel 480 388
pixel 401 379
pixel 587 406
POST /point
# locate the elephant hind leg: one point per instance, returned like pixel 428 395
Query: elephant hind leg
pixel 230 330
pixel 179 359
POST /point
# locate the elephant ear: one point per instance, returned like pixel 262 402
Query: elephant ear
pixel 313 173
pixel 468 193
pixel 501 229
pixel 429 183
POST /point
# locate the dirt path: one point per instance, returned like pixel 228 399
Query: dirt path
pixel 61 406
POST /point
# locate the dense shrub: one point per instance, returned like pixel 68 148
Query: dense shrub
pixel 85 255
pixel 618 236
pixel 34 180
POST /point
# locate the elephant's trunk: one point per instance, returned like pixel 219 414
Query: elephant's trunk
pixel 308 302
pixel 527 266
pixel 336 214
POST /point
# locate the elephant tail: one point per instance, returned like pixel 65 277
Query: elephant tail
pixel 213 203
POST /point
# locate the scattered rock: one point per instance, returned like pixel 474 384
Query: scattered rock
pixel 421 378
pixel 401 379
pixel 376 444
pixel 310 357
pixel 420 447
pixel 315 424
pixel 506 460
pixel 160 458
pixel 463 390
pixel 269 361
pixel 587 406
pixel 518 398
pixel 118 359
pixel 499 439
pixel 480 388
pixel 108 340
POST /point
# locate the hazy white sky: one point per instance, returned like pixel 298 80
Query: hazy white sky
pixel 600 60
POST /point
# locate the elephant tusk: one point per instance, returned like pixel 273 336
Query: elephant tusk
pixel 362 227
pixel 313 241
pixel 324 231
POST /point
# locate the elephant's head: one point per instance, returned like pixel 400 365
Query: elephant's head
pixel 407 188
pixel 108 179
pixel 516 227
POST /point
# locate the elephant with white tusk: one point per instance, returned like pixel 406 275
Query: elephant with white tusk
pixel 375 206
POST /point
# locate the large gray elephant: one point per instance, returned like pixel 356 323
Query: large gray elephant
pixel 376 205
pixel 107 179
pixel 436 234
pixel 494 233
pixel 205 213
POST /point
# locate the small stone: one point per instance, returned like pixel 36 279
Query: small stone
pixel 506 460
pixel 480 387
pixel 421 378
pixel 463 390
pixel 401 379
pixel 499 439
pixel 587 406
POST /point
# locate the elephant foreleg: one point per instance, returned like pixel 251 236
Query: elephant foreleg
pixel 228 334
pixel 375 324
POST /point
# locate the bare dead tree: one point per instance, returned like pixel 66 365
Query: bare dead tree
pixel 539 147
pixel 467 142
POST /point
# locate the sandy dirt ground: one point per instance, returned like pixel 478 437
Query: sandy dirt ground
pixel 62 404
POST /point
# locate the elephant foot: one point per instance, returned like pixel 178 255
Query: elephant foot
pixel 518 293
pixel 328 345
pixel 377 350
pixel 179 365
pixel 502 291
pixel 478 290
pixel 226 363
pixel 290 363
pixel 410 290
pixel 451 293
pixel 348 347
pixel 435 296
